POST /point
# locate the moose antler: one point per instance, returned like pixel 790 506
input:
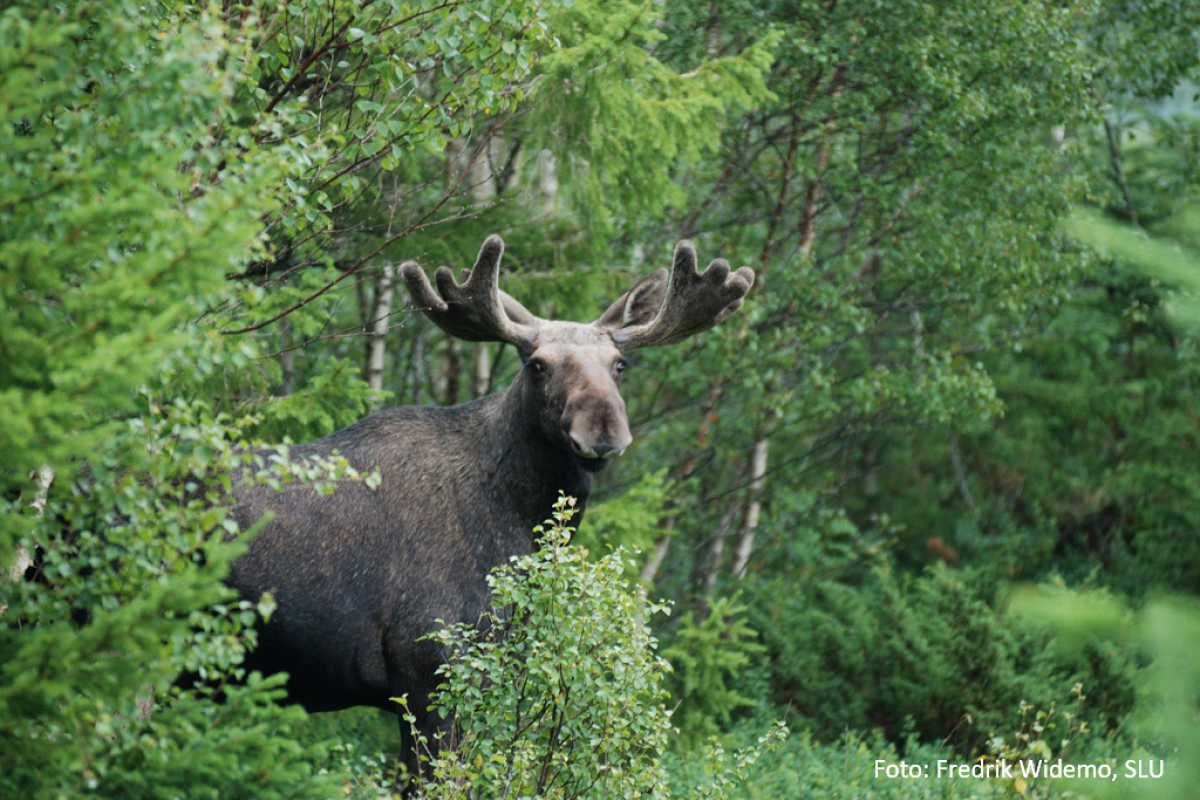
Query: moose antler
pixel 691 302
pixel 475 310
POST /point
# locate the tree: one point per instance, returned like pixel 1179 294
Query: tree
pixel 889 128
pixel 1091 473
pixel 121 214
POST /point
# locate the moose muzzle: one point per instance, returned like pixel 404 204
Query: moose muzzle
pixel 595 423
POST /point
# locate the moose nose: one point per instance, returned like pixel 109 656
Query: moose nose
pixel 606 450
pixel 597 450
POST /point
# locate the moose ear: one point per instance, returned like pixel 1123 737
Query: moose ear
pixel 639 305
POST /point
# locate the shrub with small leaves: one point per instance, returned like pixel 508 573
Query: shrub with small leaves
pixel 559 691
pixel 1043 734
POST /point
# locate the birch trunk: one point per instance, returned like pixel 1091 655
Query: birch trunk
pixel 758 480
pixel 377 338
pixel 651 567
pixel 452 372
pixel 418 365
pixel 716 555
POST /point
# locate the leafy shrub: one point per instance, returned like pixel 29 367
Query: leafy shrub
pixel 1164 722
pixel 803 767
pixel 559 692
pixel 124 598
pixel 929 656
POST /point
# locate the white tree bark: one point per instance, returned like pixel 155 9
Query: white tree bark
pixel 650 568
pixel 547 181
pixel 379 326
pixel 663 543
pixel 418 365
pixel 45 476
pixel 451 371
pixel 758 480
pixel 716 551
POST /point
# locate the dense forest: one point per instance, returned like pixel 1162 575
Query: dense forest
pixel 932 495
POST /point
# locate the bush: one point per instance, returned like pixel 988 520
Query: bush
pixel 929 656
pixel 1163 728
pixel 559 692
pixel 709 656
pixel 124 598
pixel 805 768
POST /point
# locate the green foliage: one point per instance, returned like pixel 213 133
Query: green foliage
pixel 1170 629
pixel 1043 734
pixel 155 154
pixel 1144 47
pixel 1075 624
pixel 842 768
pixel 539 684
pixel 1091 474
pixel 1165 720
pixel 708 658
pixel 628 120
pixel 1156 258
pixel 940 369
pixel 369 89
pixel 334 398
pixel 559 693
pixel 901 200
pixel 929 655
pixel 119 213
pixel 126 604
pixel 403 128
pixel 631 521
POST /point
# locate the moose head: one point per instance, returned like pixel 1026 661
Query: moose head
pixel 570 382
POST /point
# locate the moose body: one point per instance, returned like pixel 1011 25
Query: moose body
pixel 359 576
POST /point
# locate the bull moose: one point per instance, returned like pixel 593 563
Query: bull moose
pixel 359 576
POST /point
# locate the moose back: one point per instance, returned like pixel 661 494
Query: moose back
pixel 360 575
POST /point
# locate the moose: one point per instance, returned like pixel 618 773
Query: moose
pixel 359 576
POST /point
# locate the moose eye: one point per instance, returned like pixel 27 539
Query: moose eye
pixel 621 365
pixel 535 366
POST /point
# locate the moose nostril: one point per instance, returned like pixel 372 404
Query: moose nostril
pixel 595 450
pixel 606 451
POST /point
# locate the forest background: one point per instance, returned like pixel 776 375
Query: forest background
pixel 932 493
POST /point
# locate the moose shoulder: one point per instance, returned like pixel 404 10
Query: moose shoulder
pixel 360 575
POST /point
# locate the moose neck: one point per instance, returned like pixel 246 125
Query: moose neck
pixel 527 468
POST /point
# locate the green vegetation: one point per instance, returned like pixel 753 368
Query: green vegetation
pixel 565 697
pixel 940 469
